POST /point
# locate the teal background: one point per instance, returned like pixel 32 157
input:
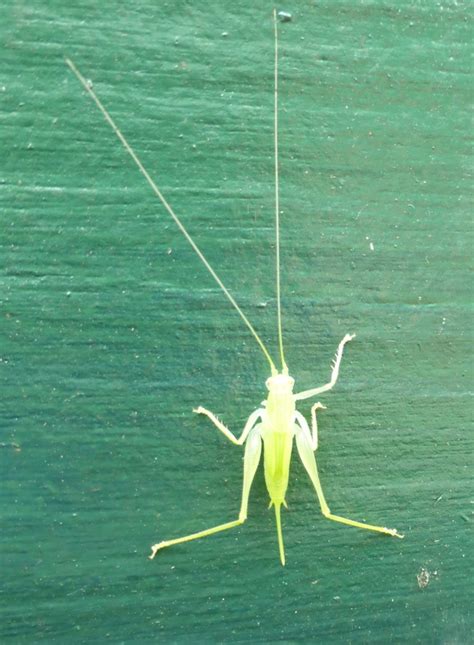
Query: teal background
pixel 112 332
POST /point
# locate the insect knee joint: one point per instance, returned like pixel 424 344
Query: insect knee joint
pixel 325 511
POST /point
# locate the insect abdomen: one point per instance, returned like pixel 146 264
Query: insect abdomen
pixel 276 459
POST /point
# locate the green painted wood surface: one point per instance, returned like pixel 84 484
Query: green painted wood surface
pixel 112 332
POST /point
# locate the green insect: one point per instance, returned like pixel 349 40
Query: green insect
pixel 277 424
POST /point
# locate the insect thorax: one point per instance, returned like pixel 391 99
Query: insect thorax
pixel 280 405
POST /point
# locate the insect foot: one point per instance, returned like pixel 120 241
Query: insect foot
pixel 395 533
pixel 155 548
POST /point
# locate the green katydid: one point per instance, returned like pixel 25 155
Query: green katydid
pixel 277 424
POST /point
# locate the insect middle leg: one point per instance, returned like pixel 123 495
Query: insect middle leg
pixel 251 421
pixel 334 374
pixel 314 424
pixel 305 450
pixel 253 450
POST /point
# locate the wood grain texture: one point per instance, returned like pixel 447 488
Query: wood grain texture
pixel 112 332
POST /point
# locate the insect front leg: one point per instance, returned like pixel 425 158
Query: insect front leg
pixel 251 421
pixel 334 374
pixel 253 450
pixel 305 451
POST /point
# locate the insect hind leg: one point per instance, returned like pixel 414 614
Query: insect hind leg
pixel 305 451
pixel 253 450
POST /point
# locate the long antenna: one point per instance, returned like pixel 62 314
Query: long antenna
pixel 277 199
pixel 162 199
